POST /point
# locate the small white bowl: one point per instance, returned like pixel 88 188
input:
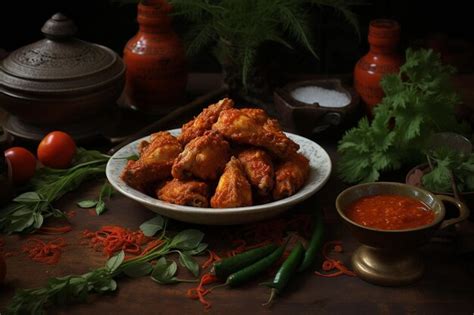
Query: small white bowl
pixel 319 162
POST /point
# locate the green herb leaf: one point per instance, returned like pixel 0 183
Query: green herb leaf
pixel 115 261
pixel 164 271
pixel 87 204
pixel 189 262
pixel 187 239
pixel 198 250
pixel 133 157
pixel 150 227
pixel 100 208
pixel 28 197
pixel 138 269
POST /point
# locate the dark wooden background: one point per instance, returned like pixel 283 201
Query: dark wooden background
pixel 111 24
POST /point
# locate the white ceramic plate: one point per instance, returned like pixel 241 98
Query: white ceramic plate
pixel 320 164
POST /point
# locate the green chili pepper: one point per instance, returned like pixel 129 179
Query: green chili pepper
pixel 314 244
pixel 227 266
pixel 250 272
pixel 285 272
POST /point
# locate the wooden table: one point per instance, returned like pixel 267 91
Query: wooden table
pixel 446 288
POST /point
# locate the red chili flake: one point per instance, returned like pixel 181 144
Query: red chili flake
pixel 112 239
pixel 47 253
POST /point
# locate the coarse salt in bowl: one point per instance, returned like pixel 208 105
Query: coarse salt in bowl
pixel 312 94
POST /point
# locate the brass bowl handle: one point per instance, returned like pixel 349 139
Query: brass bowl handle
pixel 463 211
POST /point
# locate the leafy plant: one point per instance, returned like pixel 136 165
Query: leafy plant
pixel 27 211
pixel 76 288
pixel 419 101
pixel 447 161
pixel 235 30
pixel 105 193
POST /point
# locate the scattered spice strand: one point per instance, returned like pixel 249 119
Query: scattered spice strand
pixel 115 238
pixel 200 292
pixel 54 230
pixel 330 264
pixel 213 257
pixel 47 253
pixel 71 214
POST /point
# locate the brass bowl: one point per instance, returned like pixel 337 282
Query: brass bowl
pixel 390 257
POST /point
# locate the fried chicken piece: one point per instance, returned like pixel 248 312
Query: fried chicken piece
pixel 186 193
pixel 155 162
pixel 290 176
pixel 236 125
pixel 259 115
pixel 203 157
pixel 258 167
pixel 204 121
pixel 233 189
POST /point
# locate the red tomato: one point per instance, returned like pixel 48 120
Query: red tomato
pixel 22 162
pixel 56 150
pixel 3 269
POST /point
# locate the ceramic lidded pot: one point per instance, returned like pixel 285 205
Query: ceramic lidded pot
pixel 60 79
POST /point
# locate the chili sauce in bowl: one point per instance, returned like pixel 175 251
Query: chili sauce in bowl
pixel 390 212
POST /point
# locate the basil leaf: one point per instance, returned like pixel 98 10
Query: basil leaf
pixel 38 220
pixel 189 262
pixel 100 208
pixel 198 250
pixel 187 239
pixel 87 204
pixel 164 271
pixel 114 262
pixel 28 197
pixel 139 269
pixel 150 227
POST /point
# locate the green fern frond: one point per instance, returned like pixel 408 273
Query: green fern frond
pixel 291 20
pixel 200 37
pixel 343 8
pixel 247 63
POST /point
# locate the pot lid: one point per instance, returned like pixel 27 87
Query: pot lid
pixel 60 62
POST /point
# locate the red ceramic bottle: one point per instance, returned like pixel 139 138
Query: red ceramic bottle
pixel 156 63
pixel 382 58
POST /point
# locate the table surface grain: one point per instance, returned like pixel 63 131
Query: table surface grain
pixel 446 288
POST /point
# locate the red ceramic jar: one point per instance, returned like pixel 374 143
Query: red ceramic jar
pixel 156 63
pixel 382 58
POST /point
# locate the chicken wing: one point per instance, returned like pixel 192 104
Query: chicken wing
pixel 155 162
pixel 236 125
pixel 290 176
pixel 258 167
pixel 186 193
pixel 233 189
pixel 204 121
pixel 203 157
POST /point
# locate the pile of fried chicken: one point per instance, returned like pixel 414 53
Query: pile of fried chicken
pixel 223 158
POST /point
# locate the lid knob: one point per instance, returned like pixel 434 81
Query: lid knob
pixel 59 27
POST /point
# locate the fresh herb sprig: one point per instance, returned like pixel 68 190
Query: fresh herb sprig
pixel 28 211
pixel 445 162
pixel 76 288
pixel 105 193
pixel 419 101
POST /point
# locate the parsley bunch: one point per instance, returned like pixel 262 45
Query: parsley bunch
pixel 419 101
pixel 446 161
